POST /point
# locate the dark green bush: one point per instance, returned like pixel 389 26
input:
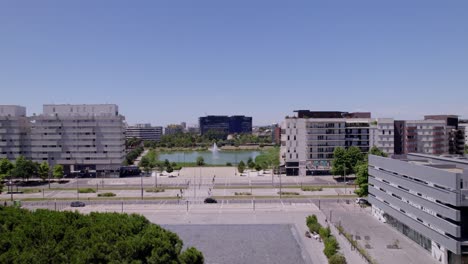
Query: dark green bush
pixel 86 190
pixel 45 236
pixel 337 259
pixel 331 246
pixel 107 194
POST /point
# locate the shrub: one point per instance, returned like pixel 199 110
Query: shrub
pixel 337 259
pixel 107 194
pixel 229 164
pixel 314 227
pixel 311 219
pixel 288 193
pixel 86 190
pixel 324 232
pixel 155 190
pixel 331 246
pixel 311 189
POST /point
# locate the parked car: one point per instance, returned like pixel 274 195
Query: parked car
pixel 307 234
pixel 77 204
pixel 362 201
pixel 210 200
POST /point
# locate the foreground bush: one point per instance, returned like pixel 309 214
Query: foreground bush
pixel 68 237
pixel 337 259
pixel 86 190
pixel 107 194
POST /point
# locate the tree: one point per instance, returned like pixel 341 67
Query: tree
pixel 377 152
pixel 250 163
pixel 43 170
pixel 192 256
pixel 337 259
pixel 362 173
pixel 229 164
pixel 241 166
pixel 345 161
pixel 58 171
pixel 466 147
pixel 23 168
pixel 145 164
pixel 169 169
pixel 5 168
pixel 43 236
pixel 339 161
pixel 258 167
pixel 200 161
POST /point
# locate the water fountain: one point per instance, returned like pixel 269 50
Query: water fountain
pixel 215 151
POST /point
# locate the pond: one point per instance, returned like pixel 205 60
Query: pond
pixel 210 157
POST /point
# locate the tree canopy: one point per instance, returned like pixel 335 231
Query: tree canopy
pixel 345 160
pixel 362 174
pixel 45 236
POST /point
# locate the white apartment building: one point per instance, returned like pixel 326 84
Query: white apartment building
pixel 86 139
pixel 309 139
pixel 381 134
pixel 13 128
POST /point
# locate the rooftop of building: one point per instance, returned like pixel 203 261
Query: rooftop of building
pixel 450 163
pixel 330 114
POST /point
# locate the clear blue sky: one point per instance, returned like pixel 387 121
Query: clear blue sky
pixel 172 61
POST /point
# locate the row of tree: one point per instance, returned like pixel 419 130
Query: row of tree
pixel 151 161
pixel 353 161
pixel 266 160
pixel 25 169
pixel 189 140
pixel 44 236
pixel 133 155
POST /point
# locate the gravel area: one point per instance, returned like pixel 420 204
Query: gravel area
pixel 233 244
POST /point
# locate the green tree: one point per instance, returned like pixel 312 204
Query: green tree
pixel 337 259
pixel 192 256
pixel 43 170
pixel 324 232
pixel 258 167
pixel 169 169
pixel 57 171
pixel 250 163
pixel 229 164
pixel 339 161
pixel 241 166
pixel 145 164
pixel 5 168
pixel 23 168
pixel 200 161
pixel 362 173
pixel 377 152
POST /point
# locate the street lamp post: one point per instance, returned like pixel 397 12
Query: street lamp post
pixel 77 189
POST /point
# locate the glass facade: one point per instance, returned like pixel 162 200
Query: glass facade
pixel 410 233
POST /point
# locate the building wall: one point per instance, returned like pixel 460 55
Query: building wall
pixel 307 144
pixel 423 202
pixel 13 128
pixel 382 135
pixel 224 125
pixel 84 140
pixel 144 132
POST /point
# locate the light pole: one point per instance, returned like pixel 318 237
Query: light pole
pixel 141 185
pixel 77 189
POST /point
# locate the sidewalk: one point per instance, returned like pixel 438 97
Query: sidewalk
pixel 352 256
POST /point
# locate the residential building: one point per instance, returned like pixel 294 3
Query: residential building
pixel 310 138
pixel 221 126
pixel 382 134
pixel 425 198
pixel 174 129
pixel 436 134
pixel 13 129
pixel 144 132
pixel 86 139
pixel 463 125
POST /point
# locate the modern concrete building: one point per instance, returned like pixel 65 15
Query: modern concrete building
pixel 86 139
pixel 382 134
pixel 144 132
pixel 13 129
pixel 425 197
pixel 310 138
pixel 225 125
pixel 436 134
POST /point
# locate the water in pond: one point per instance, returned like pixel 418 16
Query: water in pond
pixel 216 157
